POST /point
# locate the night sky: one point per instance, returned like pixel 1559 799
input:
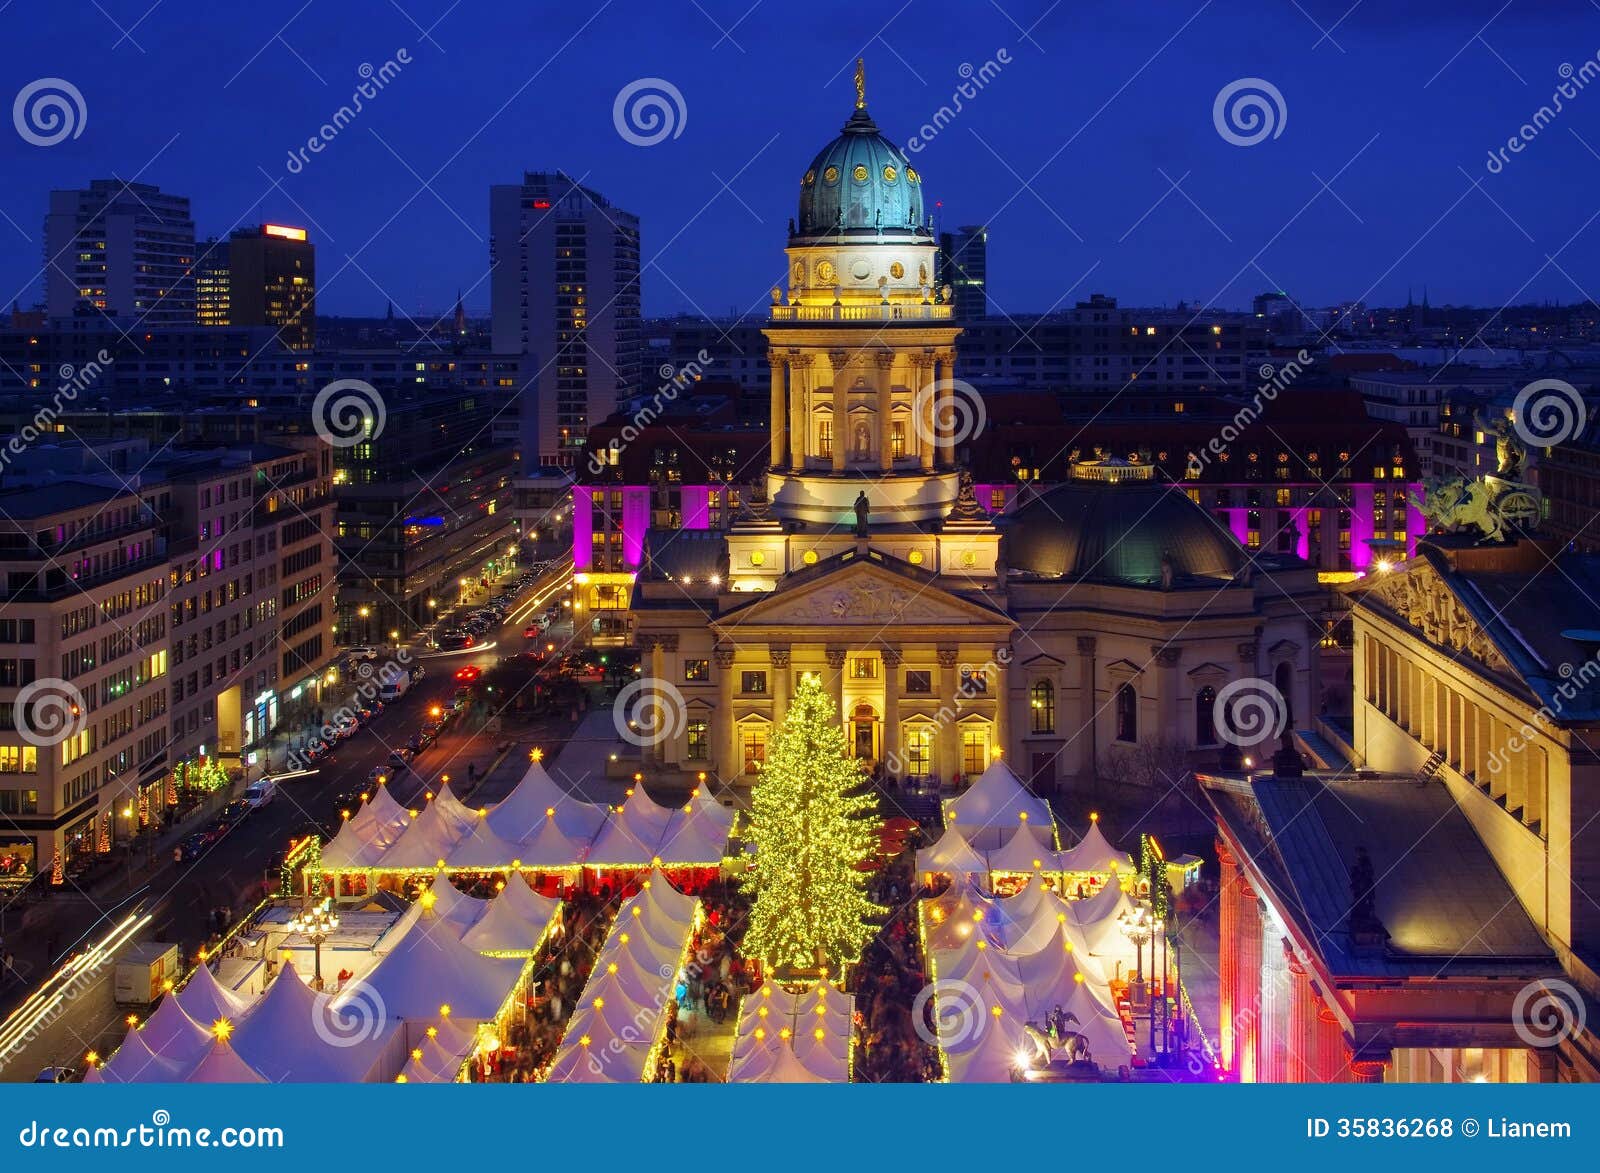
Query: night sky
pixel 1397 107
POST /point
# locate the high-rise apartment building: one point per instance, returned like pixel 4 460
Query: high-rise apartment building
pixel 964 266
pixel 272 279
pixel 212 285
pixel 124 249
pixel 565 288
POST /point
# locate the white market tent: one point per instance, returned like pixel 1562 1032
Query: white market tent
pixel 135 1062
pixel 538 796
pixel 222 1065
pixel 951 855
pixel 621 1014
pixel 991 1055
pixel 811 1029
pixel 514 925
pixel 1094 855
pixel 205 1000
pixel 633 834
pixel 1027 851
pixel 994 804
pixel 173 1036
pixel 293 1035
pixel 428 966
pixel 367 834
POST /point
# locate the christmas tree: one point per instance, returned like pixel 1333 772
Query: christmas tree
pixel 813 821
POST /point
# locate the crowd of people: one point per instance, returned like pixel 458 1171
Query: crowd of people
pixel 889 1047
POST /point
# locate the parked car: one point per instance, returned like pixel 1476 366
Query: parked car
pixel 261 793
pixel 363 652
pixel 467 673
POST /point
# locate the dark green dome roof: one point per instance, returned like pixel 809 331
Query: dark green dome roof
pixel 1118 532
pixel 860 183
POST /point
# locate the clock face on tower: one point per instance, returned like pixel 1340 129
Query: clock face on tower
pixel 825 273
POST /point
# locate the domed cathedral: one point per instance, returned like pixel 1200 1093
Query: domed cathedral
pixel 1085 635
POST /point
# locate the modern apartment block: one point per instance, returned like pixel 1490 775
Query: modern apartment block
pixel 964 266
pixel 123 249
pixel 149 621
pixel 564 287
pixel 272 281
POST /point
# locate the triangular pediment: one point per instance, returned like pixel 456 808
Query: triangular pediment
pixel 1423 599
pixel 860 593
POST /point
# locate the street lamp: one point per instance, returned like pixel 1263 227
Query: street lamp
pixel 317 923
pixel 1137 928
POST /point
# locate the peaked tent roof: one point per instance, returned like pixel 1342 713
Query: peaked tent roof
pixel 516 818
pixel 997 799
pixel 992 1056
pixel 504 930
pixel 134 1062
pixel 549 846
pixel 452 905
pixel 429 967
pixel 293 1036
pixel 951 854
pixel 205 1000
pixel 1027 850
pixel 172 1035
pixel 222 1065
pixel 1094 853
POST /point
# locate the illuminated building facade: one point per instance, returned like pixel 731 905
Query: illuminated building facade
pixel 125 250
pixel 272 281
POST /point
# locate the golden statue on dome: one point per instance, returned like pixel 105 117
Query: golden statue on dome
pixel 861 83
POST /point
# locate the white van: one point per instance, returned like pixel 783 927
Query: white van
pixel 261 793
pixel 395 689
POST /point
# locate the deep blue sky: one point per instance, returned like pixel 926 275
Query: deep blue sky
pixel 1413 74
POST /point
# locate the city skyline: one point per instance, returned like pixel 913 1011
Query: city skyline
pixel 1114 174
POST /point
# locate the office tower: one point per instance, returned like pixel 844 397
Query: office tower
pixel 124 249
pixel 964 266
pixel 272 278
pixel 564 287
pixel 212 302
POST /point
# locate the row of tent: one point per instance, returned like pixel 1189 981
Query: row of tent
pixel 786 1036
pixel 1026 850
pixel 1003 967
pixel 621 1015
pixel 538 826
pixel 450 967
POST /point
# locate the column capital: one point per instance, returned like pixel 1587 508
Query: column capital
pixel 836 657
pixel 1167 655
pixel 779 654
pixel 723 653
pixel 884 359
pixel 1246 651
pixel 839 359
pixel 777 358
pixel 948 656
pixel 1086 645
pixel 1225 856
pixel 1293 962
pixel 892 657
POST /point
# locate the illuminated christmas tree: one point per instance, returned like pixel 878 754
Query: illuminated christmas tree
pixel 813 822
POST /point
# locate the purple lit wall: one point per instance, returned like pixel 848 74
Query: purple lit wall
pixel 582 527
pixel 635 521
pixel 985 495
pixel 1362 555
pixel 696 506
pixel 1361 526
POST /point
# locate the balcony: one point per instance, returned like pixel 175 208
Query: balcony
pixel 862 313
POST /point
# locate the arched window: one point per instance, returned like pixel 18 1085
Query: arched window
pixel 1205 722
pixel 1283 679
pixel 1042 698
pixel 1127 714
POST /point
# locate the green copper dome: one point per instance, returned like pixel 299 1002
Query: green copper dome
pixel 860 183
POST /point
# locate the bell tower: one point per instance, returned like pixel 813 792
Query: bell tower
pixel 862 345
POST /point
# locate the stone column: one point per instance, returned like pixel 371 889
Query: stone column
pixel 841 406
pixel 922 404
pixel 949 742
pixel 1301 1040
pixel 780 410
pixel 943 363
pixel 1166 657
pixel 1274 1005
pixel 885 374
pixel 1247 975
pixel 728 765
pixel 1314 673
pixel 781 677
pixel 800 382
pixel 1333 1057
pixel 1227 956
pixel 836 657
pixel 1087 718
pixel 1002 702
pixel 891 707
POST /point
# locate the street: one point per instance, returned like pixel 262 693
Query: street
pixel 67 1014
